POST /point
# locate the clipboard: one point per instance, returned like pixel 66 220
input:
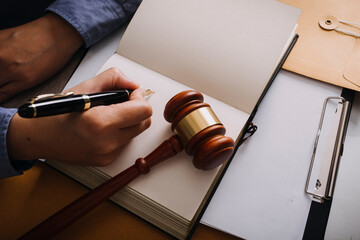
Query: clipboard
pixel 320 183
pixel 327 55
pixel 328 50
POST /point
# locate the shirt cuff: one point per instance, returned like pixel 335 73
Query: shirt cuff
pixel 9 168
pixel 94 19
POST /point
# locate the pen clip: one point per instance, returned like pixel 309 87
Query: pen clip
pixel 46 96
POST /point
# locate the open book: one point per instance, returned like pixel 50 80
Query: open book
pixel 228 50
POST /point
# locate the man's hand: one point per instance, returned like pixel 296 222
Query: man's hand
pixel 33 52
pixel 91 137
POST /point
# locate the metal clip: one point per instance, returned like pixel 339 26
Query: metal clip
pixel 46 96
pixel 325 182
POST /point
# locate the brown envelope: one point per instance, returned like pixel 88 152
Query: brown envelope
pixel 327 55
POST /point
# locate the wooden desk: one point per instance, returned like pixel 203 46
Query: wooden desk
pixel 28 199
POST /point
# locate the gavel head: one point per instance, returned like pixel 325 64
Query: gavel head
pixel 200 131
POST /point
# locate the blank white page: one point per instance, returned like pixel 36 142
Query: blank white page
pixel 226 49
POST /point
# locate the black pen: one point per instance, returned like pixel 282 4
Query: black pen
pixel 55 104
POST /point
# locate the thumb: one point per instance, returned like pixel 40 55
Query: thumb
pixel 111 79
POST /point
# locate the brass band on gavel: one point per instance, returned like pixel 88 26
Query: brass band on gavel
pixel 195 122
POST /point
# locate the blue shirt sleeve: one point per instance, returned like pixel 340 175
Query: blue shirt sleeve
pixel 94 19
pixel 7 167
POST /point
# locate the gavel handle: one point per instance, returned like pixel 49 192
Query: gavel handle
pixel 80 207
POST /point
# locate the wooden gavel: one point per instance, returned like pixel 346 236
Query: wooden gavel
pixel 196 127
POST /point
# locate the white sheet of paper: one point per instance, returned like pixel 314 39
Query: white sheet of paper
pixel 229 58
pixel 262 194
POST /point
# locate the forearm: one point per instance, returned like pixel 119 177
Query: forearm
pixel 95 19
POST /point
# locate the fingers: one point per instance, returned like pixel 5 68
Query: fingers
pixel 124 136
pixel 111 79
pixel 132 112
pixel 130 132
pixel 119 80
pixel 124 114
pixel 108 146
pixel 138 94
